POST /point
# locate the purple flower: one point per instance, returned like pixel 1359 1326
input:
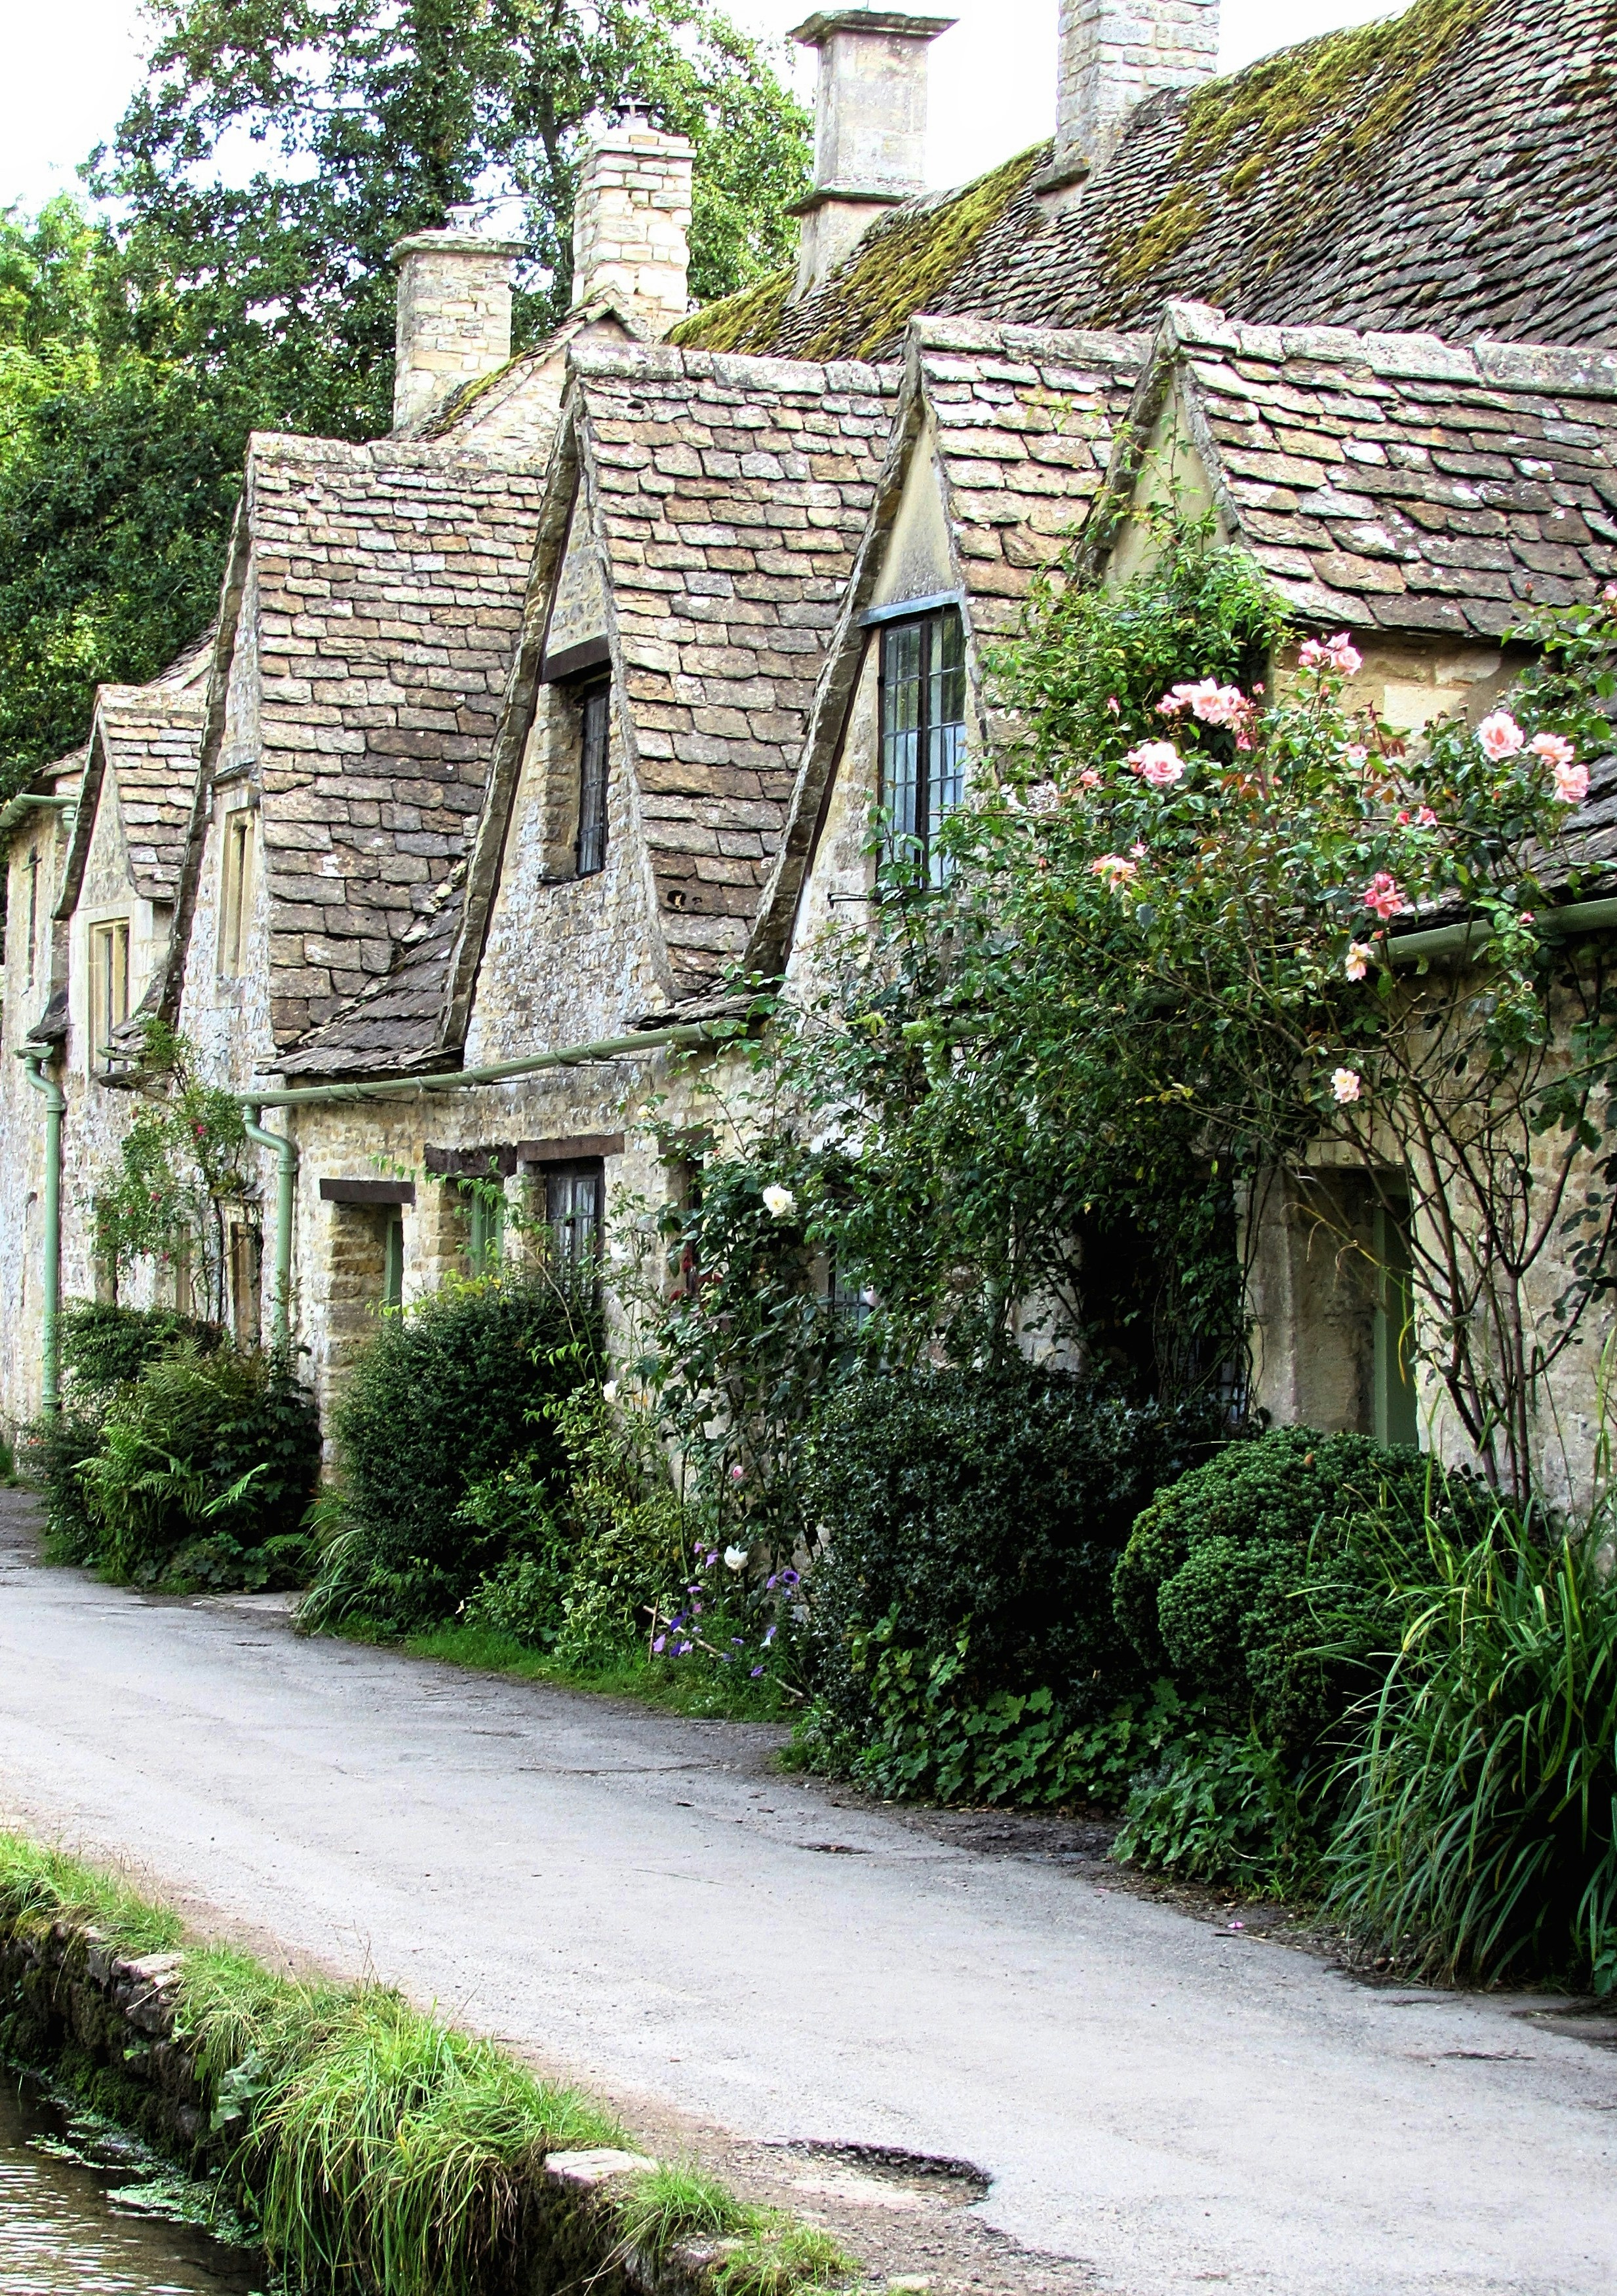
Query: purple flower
pixel 735 1640
pixel 658 1644
pixel 769 1637
pixel 756 1672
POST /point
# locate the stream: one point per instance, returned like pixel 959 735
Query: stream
pixel 72 2217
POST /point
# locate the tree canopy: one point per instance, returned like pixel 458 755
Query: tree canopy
pixel 260 177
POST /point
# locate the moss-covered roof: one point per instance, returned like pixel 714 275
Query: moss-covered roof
pixel 1450 170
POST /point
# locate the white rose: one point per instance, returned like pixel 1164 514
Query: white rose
pixel 779 1202
pixel 735 1558
pixel 609 1393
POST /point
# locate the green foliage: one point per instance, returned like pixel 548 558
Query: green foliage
pixel 674 2202
pixel 203 1471
pixel 588 1550
pixel 1226 1810
pixel 136 358
pixel 920 1734
pixel 40 1887
pixel 1478 1839
pixel 104 1345
pixel 974 1518
pixel 54 1450
pixel 444 1398
pixel 181 1164
pixel 749 1336
pixel 1236 1576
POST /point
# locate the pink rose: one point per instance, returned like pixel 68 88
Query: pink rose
pixel 1158 763
pixel 1357 962
pixel 1385 895
pixel 1088 778
pixel 1346 1084
pixel 1113 870
pixel 1554 749
pixel 1338 653
pixel 1572 784
pixel 1501 736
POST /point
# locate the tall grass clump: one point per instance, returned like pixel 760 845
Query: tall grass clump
pixel 762 2252
pixel 40 1887
pixel 379 2147
pixel 1478 1833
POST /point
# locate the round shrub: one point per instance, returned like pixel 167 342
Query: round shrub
pixel 1239 1575
pixel 104 1346
pixel 444 1397
pixel 982 1505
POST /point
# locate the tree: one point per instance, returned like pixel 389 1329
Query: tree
pixel 136 359
pixel 377 115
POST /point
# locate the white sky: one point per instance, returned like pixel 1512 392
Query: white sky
pixel 69 67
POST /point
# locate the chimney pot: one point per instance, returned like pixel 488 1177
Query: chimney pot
pixel 454 315
pixel 631 221
pixel 1113 53
pixel 869 128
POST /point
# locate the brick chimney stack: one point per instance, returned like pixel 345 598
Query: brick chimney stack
pixel 630 222
pixel 1113 53
pixel 869 128
pixel 454 315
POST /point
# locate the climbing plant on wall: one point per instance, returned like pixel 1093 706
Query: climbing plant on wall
pixel 180 1169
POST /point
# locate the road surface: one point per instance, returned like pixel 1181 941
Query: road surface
pixel 647 1901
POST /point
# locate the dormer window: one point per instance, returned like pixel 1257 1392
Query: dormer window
pixel 922 757
pixel 594 725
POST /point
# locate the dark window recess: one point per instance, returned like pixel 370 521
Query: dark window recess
pixel 572 1211
pixel 593 725
pixel 923 761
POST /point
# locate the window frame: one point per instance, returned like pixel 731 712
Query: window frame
pixel 933 793
pixel 235 874
pixel 592 699
pixel 549 1176
pixel 109 982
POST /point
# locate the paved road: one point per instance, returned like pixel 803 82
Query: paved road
pixel 646 1900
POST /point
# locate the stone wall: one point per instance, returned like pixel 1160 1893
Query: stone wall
pixel 1116 53
pixel 630 221
pixel 453 318
pixel 44 843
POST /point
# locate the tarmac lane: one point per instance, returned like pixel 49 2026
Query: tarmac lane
pixel 650 1904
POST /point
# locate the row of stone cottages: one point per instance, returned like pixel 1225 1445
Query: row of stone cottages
pixel 518 727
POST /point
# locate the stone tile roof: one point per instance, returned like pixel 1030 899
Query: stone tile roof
pixel 388 586
pixel 1024 423
pixel 727 498
pixel 152 737
pixel 395 1023
pixel 1395 482
pixel 1439 170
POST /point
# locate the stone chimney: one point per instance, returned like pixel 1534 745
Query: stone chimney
pixel 869 128
pixel 454 315
pixel 1114 54
pixel 630 222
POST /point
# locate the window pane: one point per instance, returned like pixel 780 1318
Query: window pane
pixel 946 728
pixel 572 1211
pixel 593 735
pixel 902 698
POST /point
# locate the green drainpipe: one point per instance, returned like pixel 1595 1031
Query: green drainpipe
pixel 55 1104
pixel 286 1169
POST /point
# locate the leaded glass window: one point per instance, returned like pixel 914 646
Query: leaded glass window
pixel 594 729
pixel 923 761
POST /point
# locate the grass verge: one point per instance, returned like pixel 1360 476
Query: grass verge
pixel 371 2146
pixel 667 1684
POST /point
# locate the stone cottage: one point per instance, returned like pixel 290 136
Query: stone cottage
pixel 520 728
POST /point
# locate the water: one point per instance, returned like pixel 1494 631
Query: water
pixel 64 2230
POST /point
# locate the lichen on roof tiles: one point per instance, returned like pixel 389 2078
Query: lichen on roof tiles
pixel 1448 169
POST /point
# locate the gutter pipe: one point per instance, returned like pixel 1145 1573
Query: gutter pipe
pixel 286 1172
pixel 35 1056
pixel 1443 941
pixel 253 1104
